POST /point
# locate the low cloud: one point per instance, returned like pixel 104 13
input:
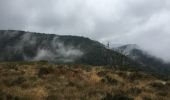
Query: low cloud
pixel 58 52
pixel 142 22
pixel 28 47
pixel 43 54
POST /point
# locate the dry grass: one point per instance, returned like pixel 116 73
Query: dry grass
pixel 38 81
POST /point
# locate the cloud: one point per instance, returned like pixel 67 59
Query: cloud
pixel 59 52
pixel 142 22
pixel 65 53
pixel 43 54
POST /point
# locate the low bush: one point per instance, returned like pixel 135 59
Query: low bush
pixel 117 97
pixel 102 73
pixel 108 79
pixel 162 93
pixel 158 85
pixel 168 84
pixel 45 71
pixel 134 91
pixel 52 97
pixel 15 81
pixel 134 76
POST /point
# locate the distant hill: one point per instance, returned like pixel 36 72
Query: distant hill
pixel 30 46
pixel 153 63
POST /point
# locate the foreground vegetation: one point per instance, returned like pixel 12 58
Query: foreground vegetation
pixel 43 81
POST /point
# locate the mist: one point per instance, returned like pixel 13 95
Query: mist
pixel 141 22
pixel 58 52
pixel 32 47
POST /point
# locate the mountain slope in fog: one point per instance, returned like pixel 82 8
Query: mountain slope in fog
pixel 153 63
pixel 29 46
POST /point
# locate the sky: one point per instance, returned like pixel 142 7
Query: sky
pixel 142 22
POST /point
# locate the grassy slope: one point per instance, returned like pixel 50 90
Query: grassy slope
pixel 40 80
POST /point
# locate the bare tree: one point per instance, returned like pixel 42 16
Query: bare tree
pixel 110 57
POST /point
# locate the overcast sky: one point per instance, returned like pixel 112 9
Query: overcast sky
pixel 142 22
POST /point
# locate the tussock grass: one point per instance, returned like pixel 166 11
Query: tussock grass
pixel 43 81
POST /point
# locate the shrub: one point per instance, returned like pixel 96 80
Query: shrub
pixel 101 74
pixel 13 82
pixel 10 97
pixel 116 97
pixel 108 79
pixel 134 76
pixel 162 93
pixel 45 71
pixel 168 84
pixel 158 85
pixel 11 65
pixel 2 95
pixel 147 98
pixel 134 91
pixel 52 97
pixel 122 74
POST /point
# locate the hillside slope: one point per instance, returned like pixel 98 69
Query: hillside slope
pixel 153 63
pixel 43 81
pixel 29 46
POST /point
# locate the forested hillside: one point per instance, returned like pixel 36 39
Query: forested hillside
pixel 27 46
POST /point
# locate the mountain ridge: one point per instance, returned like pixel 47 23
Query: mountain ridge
pixel 21 45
